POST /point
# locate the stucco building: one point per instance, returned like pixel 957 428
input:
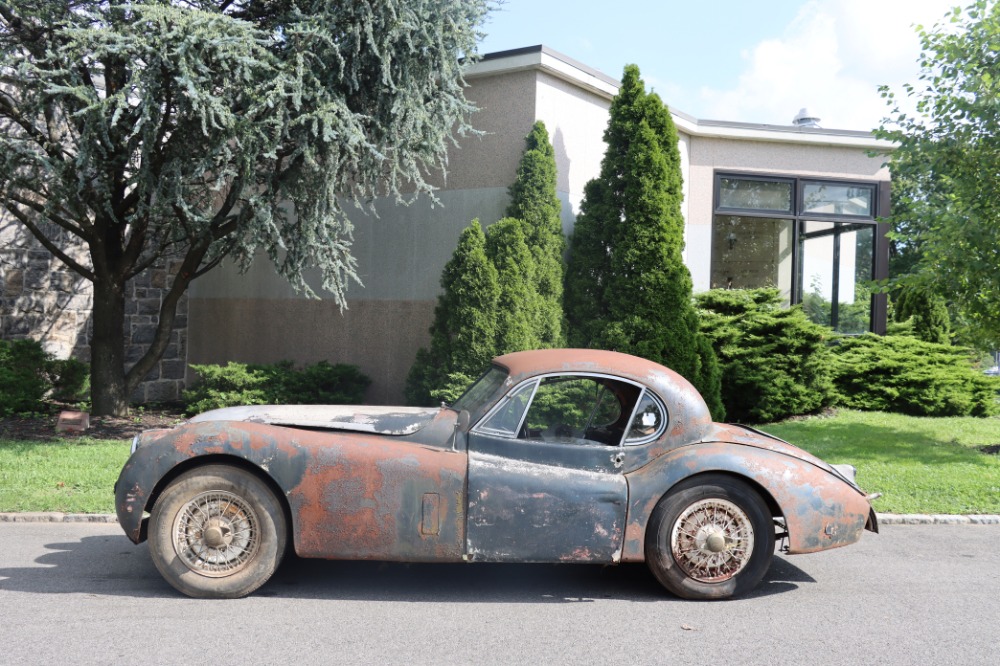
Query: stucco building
pixel 791 206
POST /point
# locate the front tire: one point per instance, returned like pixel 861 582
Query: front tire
pixel 217 532
pixel 711 538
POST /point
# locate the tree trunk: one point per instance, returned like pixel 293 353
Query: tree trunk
pixel 108 389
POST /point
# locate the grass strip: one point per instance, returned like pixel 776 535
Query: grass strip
pixel 919 464
pixel 71 475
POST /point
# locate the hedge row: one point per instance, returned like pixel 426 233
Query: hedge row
pixel 280 383
pixel 777 363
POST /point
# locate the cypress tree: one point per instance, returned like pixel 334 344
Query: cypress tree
pixel 534 201
pixel 929 315
pixel 464 331
pixel 507 249
pixel 627 287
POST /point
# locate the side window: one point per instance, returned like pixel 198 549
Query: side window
pixel 507 418
pixel 579 410
pixel 649 421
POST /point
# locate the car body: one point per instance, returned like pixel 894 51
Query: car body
pixel 563 455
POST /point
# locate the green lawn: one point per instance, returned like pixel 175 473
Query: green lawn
pixel 921 465
pixel 73 475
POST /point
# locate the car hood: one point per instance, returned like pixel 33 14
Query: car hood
pixel 356 418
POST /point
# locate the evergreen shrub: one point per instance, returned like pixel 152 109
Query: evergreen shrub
pixel 927 313
pixel 464 330
pixel 24 379
pixel 280 383
pixel 627 287
pixel 70 380
pixel 910 376
pixel 29 374
pixel 775 361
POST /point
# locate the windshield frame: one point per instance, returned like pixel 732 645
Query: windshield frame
pixel 484 392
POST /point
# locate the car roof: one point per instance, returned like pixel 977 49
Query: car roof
pixel 684 403
pixel 544 361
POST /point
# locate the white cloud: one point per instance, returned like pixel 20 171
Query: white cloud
pixel 831 58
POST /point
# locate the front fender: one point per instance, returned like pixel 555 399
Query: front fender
pixel 159 452
pixel 821 510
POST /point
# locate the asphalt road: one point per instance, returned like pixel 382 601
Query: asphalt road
pixel 82 593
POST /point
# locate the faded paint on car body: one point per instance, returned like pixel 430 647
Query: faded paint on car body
pixel 377 420
pixel 318 472
pixel 820 509
pixel 413 485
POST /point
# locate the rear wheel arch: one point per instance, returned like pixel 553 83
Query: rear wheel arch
pixel 694 479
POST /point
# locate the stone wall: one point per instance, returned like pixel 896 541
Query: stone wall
pixel 40 298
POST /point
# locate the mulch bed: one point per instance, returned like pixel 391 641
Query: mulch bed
pixel 43 427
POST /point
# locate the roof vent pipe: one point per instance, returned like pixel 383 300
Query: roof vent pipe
pixel 806 118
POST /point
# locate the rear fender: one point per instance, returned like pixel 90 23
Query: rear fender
pixel 821 511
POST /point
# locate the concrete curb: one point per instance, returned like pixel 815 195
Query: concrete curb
pixel 40 517
pixel 883 518
pixel 935 519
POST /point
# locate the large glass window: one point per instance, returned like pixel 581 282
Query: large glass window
pixel 814 240
pixel 835 268
pixel 750 252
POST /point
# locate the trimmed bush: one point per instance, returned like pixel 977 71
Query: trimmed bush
pixel 280 383
pixel 775 361
pixel 909 376
pixel 323 384
pixel 70 380
pixel 24 378
pixel 464 330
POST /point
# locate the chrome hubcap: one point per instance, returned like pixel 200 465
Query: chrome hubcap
pixel 712 540
pixel 216 534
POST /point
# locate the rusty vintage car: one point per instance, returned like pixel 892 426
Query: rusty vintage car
pixel 551 456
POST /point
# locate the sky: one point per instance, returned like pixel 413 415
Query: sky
pixel 735 60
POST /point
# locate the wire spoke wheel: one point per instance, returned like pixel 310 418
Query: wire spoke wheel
pixel 217 531
pixel 710 537
pixel 216 534
pixel 712 540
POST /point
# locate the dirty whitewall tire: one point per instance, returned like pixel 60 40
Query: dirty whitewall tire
pixel 711 537
pixel 217 532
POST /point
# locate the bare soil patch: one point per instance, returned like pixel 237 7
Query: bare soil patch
pixel 42 427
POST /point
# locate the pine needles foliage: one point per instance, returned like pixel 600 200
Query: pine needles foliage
pixel 928 314
pixel 775 361
pixel 464 331
pixel 535 202
pixel 909 376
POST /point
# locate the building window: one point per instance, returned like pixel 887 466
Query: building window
pixel 815 240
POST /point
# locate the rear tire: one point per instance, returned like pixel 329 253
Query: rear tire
pixel 217 532
pixel 712 537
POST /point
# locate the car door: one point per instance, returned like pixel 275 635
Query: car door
pixel 545 472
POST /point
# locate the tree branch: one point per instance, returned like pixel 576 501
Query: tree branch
pixel 60 221
pixel 48 244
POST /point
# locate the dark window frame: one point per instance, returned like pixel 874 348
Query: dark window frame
pixel 879 209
